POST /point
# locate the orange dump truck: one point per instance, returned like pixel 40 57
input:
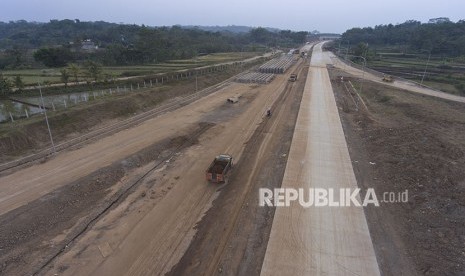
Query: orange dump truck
pixel 219 168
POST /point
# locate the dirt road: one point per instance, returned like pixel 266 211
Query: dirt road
pixel 319 240
pixel 31 183
pixel 149 235
pixel 233 235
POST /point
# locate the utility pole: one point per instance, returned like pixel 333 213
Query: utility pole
pixel 363 72
pixel 196 73
pixel 46 120
pixel 426 67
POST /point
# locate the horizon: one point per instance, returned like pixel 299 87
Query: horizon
pixel 300 15
pixel 214 26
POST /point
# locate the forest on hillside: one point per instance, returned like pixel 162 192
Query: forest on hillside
pixel 439 36
pixel 59 42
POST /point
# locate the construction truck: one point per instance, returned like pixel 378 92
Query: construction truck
pixel 387 78
pixel 219 168
pixel 293 77
pixel 233 100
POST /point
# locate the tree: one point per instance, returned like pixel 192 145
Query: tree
pixel 127 44
pixel 17 55
pixel 74 71
pixel 5 85
pixel 440 36
pixel 361 49
pixel 64 76
pixel 53 57
pixel 94 70
pixel 260 35
pixel 18 82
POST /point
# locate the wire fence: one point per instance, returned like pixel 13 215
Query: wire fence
pixel 16 108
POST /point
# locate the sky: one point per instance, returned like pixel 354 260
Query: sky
pixel 334 16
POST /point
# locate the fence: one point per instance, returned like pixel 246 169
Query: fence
pixel 26 107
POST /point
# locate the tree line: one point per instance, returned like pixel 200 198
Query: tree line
pixel 440 36
pixel 58 42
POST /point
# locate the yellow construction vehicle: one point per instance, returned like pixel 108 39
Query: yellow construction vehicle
pixel 387 78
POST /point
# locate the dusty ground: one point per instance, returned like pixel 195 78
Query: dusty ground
pixel 34 233
pixel 103 208
pixel 415 143
pixel 233 235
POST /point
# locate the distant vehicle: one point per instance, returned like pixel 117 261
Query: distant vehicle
pixel 219 168
pixel 268 113
pixel 296 51
pixel 387 78
pixel 233 100
pixel 293 77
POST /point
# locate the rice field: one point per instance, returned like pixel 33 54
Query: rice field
pixel 437 72
pixel 52 75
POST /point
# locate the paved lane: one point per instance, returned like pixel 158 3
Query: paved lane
pixel 319 240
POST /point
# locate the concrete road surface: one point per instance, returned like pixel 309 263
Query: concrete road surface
pixel 319 240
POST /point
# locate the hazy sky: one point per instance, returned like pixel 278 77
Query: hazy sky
pixel 299 15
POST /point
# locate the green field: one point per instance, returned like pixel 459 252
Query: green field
pixel 442 73
pixel 48 75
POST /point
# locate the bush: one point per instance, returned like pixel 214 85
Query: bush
pixel 460 87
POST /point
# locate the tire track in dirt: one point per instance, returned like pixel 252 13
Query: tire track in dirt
pixel 204 258
pixel 73 209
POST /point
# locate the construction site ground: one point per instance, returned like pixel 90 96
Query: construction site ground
pixel 400 140
pixel 85 210
pixel 137 203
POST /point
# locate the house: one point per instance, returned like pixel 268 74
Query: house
pixel 88 45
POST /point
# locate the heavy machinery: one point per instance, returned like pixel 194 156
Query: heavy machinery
pixel 219 168
pixel 293 77
pixel 387 78
pixel 268 112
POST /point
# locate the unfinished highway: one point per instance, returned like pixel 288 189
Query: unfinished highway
pixel 319 240
pixel 158 226
pixel 149 228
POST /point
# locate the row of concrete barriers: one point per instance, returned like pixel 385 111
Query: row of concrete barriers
pixel 255 77
pixel 277 65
